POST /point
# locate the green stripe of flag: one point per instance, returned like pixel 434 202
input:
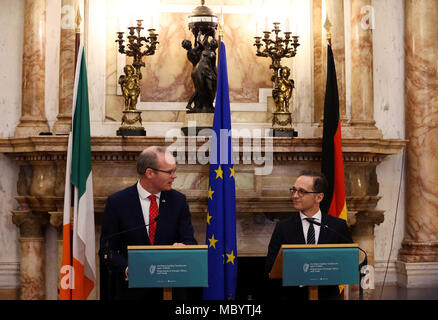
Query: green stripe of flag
pixel 81 153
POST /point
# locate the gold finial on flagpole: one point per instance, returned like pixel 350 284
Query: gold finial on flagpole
pixel 221 26
pixel 327 27
pixel 78 20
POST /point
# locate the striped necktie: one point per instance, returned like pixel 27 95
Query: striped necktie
pixel 310 232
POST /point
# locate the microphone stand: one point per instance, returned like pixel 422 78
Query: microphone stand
pixel 107 255
pixel 361 265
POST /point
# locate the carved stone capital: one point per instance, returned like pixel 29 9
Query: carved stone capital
pixel 30 224
pixel 56 219
pixel 372 217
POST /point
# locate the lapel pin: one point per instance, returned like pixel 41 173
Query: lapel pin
pixel 163 201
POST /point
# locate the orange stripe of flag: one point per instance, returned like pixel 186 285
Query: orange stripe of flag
pixel 83 285
pixel 65 291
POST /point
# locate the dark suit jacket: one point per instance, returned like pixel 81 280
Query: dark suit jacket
pixel 123 212
pixel 290 231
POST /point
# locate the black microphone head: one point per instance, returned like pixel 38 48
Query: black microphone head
pixel 157 217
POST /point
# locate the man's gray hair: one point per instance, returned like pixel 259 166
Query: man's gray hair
pixel 148 158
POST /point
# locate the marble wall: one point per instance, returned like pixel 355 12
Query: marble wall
pixel 11 55
pixel 388 103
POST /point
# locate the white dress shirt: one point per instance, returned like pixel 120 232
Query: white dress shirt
pixel 146 202
pixel 317 217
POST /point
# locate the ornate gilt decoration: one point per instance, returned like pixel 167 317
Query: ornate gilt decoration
pixel 278 48
pixel 130 81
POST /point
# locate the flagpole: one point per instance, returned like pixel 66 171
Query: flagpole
pixel 221 35
pixel 78 21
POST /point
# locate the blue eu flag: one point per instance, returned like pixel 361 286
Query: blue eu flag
pixel 221 215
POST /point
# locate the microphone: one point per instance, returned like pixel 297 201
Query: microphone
pixel 365 262
pixel 132 229
pixel 105 240
pixel 361 265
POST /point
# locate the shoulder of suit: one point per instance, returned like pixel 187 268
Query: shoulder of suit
pixel 332 219
pixel 123 193
pixel 295 216
pixel 172 193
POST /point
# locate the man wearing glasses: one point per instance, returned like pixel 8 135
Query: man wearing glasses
pixel 307 194
pixel 148 212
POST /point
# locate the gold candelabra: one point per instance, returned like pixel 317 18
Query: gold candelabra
pixel 130 81
pixel 276 48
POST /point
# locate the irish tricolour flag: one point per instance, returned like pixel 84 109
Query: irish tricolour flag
pixel 78 271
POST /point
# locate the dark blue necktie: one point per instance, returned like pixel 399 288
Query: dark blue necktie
pixel 310 232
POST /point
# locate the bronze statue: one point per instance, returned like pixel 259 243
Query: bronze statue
pixel 130 83
pixel 283 90
pixel 204 74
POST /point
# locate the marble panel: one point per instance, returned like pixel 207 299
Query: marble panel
pixel 53 31
pixel 167 73
pixel 335 11
pixel 389 81
pixel 319 67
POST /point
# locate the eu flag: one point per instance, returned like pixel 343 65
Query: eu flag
pixel 221 215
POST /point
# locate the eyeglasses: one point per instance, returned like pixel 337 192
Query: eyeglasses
pixel 300 192
pixel 169 172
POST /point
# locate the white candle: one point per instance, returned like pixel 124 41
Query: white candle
pixel 287 25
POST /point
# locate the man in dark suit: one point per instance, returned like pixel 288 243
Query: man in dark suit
pixel 149 212
pixel 307 194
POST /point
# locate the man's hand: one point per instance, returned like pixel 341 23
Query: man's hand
pixel 178 244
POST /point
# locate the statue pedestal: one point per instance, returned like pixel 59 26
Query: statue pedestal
pixel 282 125
pixel 198 124
pixel 131 124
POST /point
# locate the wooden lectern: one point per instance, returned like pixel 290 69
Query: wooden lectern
pixel 316 264
pixel 167 267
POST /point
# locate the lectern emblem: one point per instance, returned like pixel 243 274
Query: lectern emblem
pixel 152 269
pixel 305 267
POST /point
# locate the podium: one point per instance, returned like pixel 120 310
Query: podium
pixel 316 265
pixel 167 267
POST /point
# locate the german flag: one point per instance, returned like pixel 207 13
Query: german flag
pixel 332 164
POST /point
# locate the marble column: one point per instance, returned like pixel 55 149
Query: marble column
pixel 36 188
pixel 33 119
pixel 32 264
pixel 335 13
pixel 66 67
pixel 420 245
pixel 362 88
